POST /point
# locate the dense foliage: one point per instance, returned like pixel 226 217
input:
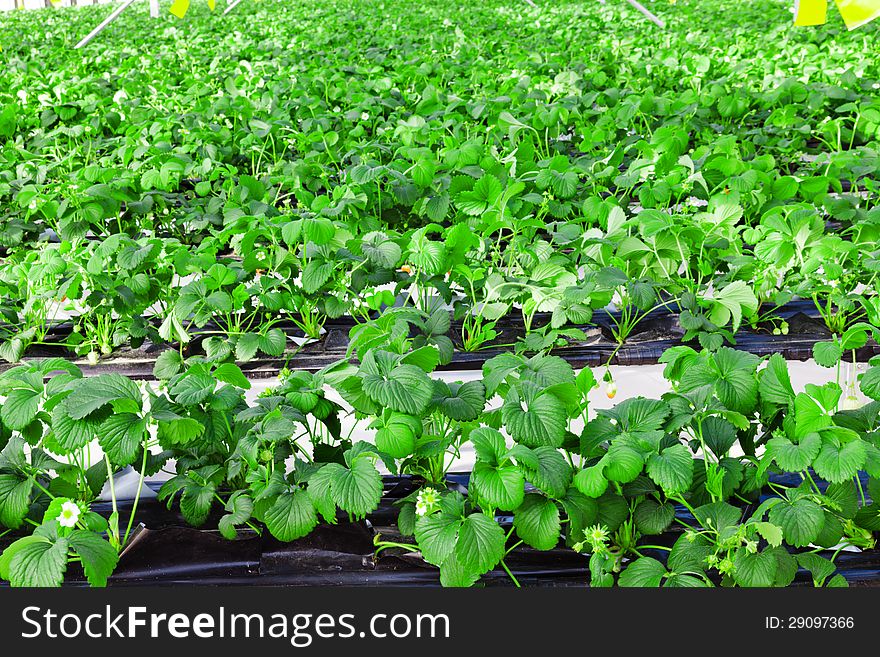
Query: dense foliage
pixel 220 186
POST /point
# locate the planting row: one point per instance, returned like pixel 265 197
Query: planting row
pixel 399 130
pixel 304 180
pixel 698 461
pixel 290 276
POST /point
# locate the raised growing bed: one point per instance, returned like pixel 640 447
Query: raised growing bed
pixel 652 336
pixel 165 551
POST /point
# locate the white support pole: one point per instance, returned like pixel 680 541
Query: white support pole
pixel 647 14
pixel 112 17
pixel 231 7
pixel 154 8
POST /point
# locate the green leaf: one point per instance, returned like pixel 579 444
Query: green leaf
pixel 676 581
pixel 488 444
pixel 846 498
pixel 836 464
pixel 591 481
pixel 292 516
pixel 196 502
pixel 553 474
pixel 406 519
pixel 837 582
pixel 801 520
pixel 14 547
pixel 319 230
pixel 820 568
pixel 403 388
pixel 240 508
pixel 718 516
pixel 613 510
pixel 870 383
pixel 832 531
pixel 15 498
pixel 35 561
pixel 98 557
pixel 775 384
pixel 537 522
pixel 121 436
pixel 357 490
pixel 732 301
pixel 321 491
pixel 92 393
pixel 869 517
pixel 754 570
pixel 273 342
pixel 827 354
pixel 812 410
pixel 20 408
pixel 246 347
pixel 689 556
pixel 672 469
pixel 534 418
pixel 436 535
pixel 397 438
pixel 180 431
pixel 480 544
pixel 622 463
pixel 426 358
pixel 770 532
pixel 793 457
pixel 653 518
pixel 454 573
pixel 639 415
pixel 719 434
pixel 498 487
pixel 168 364
pixel 462 402
pixel 194 388
pixel 644 572
pixel 70 434
pixel 380 250
pixel 315 274
pixel 437 207
pixel 786 565
pixel 486 190
pixel 736 386
pixel 231 373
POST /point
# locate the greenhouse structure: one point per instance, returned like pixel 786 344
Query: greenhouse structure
pixel 550 293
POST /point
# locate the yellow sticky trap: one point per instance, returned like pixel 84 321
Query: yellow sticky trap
pixel 212 4
pixel 856 13
pixel 179 8
pixel 810 12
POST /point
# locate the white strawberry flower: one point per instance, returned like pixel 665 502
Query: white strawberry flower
pixel 427 501
pixel 69 514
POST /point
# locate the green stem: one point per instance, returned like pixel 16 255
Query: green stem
pixel 385 545
pixel 510 574
pixel 111 528
pixel 137 496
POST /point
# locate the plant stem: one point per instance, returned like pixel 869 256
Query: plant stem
pixel 137 496
pixel 510 575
